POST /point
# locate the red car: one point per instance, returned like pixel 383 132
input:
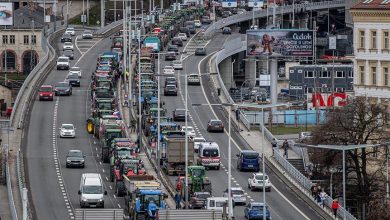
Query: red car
pixel 46 93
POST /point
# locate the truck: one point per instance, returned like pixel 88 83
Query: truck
pixel 173 153
pixel 153 42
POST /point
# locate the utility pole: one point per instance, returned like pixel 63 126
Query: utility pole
pixel 102 14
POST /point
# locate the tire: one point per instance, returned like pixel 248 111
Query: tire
pixel 120 189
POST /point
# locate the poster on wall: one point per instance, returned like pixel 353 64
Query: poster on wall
pixel 6 14
pixel 229 3
pixel 279 43
pixel 255 3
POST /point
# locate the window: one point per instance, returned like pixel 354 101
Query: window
pixel 361 39
pixel 309 74
pixel 361 74
pixel 373 40
pixel 339 89
pixel 385 76
pixel 325 74
pixel 308 90
pixel 350 74
pixel 12 39
pixel 33 39
pixel 373 74
pixel 25 39
pixel 386 40
pixel 340 74
pixel 5 39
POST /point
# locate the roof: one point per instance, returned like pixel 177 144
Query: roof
pixel 248 151
pixel 23 17
pixel 373 5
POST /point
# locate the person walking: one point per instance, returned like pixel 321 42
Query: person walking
pixel 322 198
pixel 335 207
pixel 314 191
pixel 285 147
pixel 274 144
pixel 177 200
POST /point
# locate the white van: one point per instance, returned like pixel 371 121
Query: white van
pixel 91 190
pixel 217 203
pixel 209 155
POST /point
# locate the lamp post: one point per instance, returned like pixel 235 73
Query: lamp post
pixel 332 170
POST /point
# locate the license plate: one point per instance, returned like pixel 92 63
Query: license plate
pixel 92 206
pixel 250 165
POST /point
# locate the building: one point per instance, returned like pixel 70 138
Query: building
pixel 371 21
pixel 20 44
pixel 6 99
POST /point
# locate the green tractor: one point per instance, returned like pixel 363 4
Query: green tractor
pixel 104 103
pixel 197 181
pixel 109 136
pixel 93 121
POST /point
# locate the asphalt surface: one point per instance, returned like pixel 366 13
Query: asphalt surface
pixel 283 204
pixel 53 187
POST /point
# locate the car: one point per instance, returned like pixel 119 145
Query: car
pixel 198 24
pixel 215 125
pixel 248 160
pixel 205 20
pixel 177 41
pixel 191 26
pixel 73 80
pixel 68 53
pixel 226 30
pixel 241 11
pixel 168 70
pixel 179 114
pixel 193 79
pixel 177 65
pixel 173 48
pixel 197 141
pixel 198 200
pixel 170 56
pixel 63 88
pixel 67 130
pixel 170 90
pixel 255 211
pixel 87 34
pixel 75 158
pixel 171 80
pixel 304 136
pixel 76 70
pixel 183 36
pixel 67 46
pixel 200 51
pixel 255 181
pixel 63 63
pixel 70 31
pixel 226 14
pixel 66 38
pixel 238 195
pixel 46 93
pixel 189 130
pixel 185 30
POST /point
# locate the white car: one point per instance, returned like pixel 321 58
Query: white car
pixel 304 136
pixel 255 181
pixel 177 65
pixel 70 30
pixel 87 34
pixel 189 130
pixel 67 130
pixel 63 63
pixel 169 70
pixel 197 141
pixel 198 24
pixel 193 79
pixel 75 70
pixel 67 46
pixel 182 36
pixel 238 195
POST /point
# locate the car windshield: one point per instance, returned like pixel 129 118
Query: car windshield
pixel 199 140
pixel 171 87
pixel 104 68
pixel 253 155
pixel 63 84
pixel 203 195
pixel 188 128
pixel 92 190
pixel 180 111
pixel 123 153
pixel 216 122
pixel 68 44
pixel 170 79
pixel 75 153
pixel 62 59
pixel 45 89
pixel 210 152
pixel 67 127
pixel 68 52
pixel 87 32
pixel 237 192
pixel 168 67
pixel 152 198
pixel 260 177
pixel 257 207
pixel 73 76
pixel 75 69
pixel 197 173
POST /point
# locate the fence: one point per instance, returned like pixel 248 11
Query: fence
pixel 189 214
pixel 98 214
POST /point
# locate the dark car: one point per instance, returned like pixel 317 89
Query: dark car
pixel 226 30
pixel 170 56
pixel 225 14
pixel 179 115
pixel 171 80
pixel 205 20
pixel 173 48
pixel 177 41
pixel 170 90
pixel 186 31
pixel 215 125
pixel 68 53
pixel 200 51
pixel 192 29
pixel 75 158
pixel 63 88
pixel 66 38
pixel 199 199
pixel 73 79
pixel 46 93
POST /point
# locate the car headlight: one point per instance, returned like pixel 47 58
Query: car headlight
pixel 67 160
pixel 82 161
pixel 100 200
pixel 84 199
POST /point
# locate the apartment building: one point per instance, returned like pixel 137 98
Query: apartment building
pixel 371 24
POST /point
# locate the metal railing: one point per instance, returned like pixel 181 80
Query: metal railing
pixel 96 214
pixel 183 214
pixel 14 214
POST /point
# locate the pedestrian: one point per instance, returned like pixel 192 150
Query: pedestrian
pixel 177 200
pixel 132 125
pixel 335 207
pixel 322 198
pixel 274 146
pixel 285 147
pixel 314 191
pixel 237 114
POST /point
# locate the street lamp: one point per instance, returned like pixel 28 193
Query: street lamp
pixel 332 170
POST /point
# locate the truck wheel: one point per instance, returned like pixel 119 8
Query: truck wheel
pixel 120 188
pixel 90 127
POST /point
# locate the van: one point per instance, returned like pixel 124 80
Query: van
pixel 248 160
pixel 209 155
pixel 218 203
pixel 91 192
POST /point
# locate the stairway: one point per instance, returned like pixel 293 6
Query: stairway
pixel 298 164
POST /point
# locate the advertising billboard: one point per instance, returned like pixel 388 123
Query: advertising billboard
pixel 229 3
pixel 279 43
pixel 255 3
pixel 6 14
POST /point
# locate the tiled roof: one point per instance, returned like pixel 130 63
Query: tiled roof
pixel 373 5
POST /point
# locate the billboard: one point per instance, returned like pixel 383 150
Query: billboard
pixel 6 14
pixel 229 3
pixel 279 43
pixel 255 3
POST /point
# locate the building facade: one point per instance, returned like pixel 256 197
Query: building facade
pixel 371 20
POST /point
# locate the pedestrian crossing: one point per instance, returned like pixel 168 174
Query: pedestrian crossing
pixel 197 41
pixel 83 45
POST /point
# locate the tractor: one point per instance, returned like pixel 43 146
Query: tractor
pixel 197 181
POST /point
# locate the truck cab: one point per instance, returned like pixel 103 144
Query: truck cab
pixel 91 192
pixel 209 155
pixel 248 160
pixel 218 203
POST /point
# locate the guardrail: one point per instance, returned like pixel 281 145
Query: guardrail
pixel 183 214
pixel 96 214
pixel 14 214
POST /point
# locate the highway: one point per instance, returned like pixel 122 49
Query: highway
pixel 53 187
pixel 283 204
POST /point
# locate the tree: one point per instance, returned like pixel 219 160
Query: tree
pixel 359 122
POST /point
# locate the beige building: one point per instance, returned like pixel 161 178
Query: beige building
pixel 5 98
pixel 371 28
